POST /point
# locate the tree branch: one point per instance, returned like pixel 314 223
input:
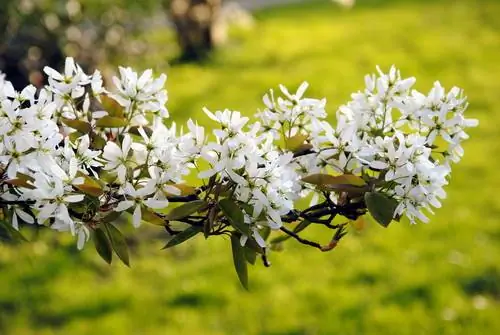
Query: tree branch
pixel 300 239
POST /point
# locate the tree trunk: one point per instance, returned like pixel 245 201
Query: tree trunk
pixel 196 23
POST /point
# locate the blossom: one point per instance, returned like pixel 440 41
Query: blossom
pixel 117 158
pixel 63 167
pixel 135 197
pixel 141 92
pixel 68 84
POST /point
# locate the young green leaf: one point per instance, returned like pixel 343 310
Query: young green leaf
pixel 118 243
pixel 19 183
pixel 350 179
pixel 343 183
pixel 234 214
pixel 97 142
pixel 111 122
pixel 185 189
pixel 102 245
pixel 296 141
pixel 110 105
pixel 135 130
pixel 183 236
pixel 151 217
pixel 240 261
pixel 89 186
pixel 381 207
pixel 82 126
pixel 319 179
pixel 22 180
pixel 186 210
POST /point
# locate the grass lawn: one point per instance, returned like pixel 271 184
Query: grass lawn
pixel 440 278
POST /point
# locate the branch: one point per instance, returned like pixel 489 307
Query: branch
pixel 187 198
pixel 303 153
pixel 17 202
pixel 300 239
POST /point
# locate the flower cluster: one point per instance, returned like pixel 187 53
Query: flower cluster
pixel 75 157
pixel 404 138
pixel 263 177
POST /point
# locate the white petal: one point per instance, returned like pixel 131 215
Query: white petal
pixel 24 216
pixel 137 216
pixel 74 198
pixel 124 205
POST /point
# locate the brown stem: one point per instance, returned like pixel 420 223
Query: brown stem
pixel 300 239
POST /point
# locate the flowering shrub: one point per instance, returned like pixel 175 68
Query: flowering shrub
pixel 76 157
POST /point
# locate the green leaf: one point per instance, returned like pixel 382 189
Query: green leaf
pixel 185 189
pixel 321 179
pixel 351 189
pixel 239 259
pixel 24 176
pixel 9 233
pixel 135 130
pixel 74 136
pixel 82 126
pixel 186 210
pixel 110 105
pixel 90 186
pixel 235 216
pixel 250 255
pixel 295 142
pixel 151 217
pixel 350 179
pixel 381 207
pixel 111 122
pixel 97 142
pixel 265 232
pixel 22 180
pixel 118 243
pixel 111 217
pixel 252 244
pixel 249 209
pixel 183 236
pixel 102 245
pixel 18 182
pixel 303 148
pixel 301 226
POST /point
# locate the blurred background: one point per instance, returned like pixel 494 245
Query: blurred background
pixel 439 278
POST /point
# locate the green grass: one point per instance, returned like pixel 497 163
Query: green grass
pixel 440 278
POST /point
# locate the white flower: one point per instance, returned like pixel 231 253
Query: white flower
pixel 231 122
pixel 117 158
pixel 69 84
pixel 134 197
pixel 87 158
pixel 146 93
pixel 83 235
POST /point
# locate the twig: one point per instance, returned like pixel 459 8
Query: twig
pixel 300 239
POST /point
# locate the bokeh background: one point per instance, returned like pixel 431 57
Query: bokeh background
pixel 436 278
